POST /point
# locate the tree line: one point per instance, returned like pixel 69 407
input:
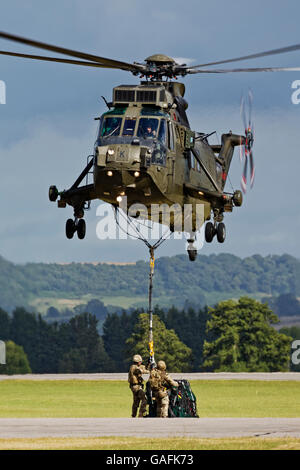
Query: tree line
pixel 175 277
pixel 232 336
pixel 73 346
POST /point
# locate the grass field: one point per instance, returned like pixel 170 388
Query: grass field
pixel 80 398
pixel 135 443
pixel 112 399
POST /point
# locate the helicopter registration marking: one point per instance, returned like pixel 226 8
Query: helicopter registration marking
pixel 122 156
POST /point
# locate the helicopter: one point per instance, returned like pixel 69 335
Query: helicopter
pixel 145 149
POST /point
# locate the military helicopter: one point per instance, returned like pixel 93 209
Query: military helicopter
pixel 145 149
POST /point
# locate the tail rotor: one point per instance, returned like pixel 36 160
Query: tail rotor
pixel 246 153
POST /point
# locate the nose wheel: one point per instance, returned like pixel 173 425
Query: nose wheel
pixel 191 249
pixel 77 225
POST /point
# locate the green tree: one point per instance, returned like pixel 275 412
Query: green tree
pixel 242 339
pixel 38 339
pixel 167 345
pixel 74 361
pixel 190 327
pixel 16 360
pixel 81 347
pixel 82 360
pixel 4 325
pixel 52 312
pixel 287 305
pixel 116 330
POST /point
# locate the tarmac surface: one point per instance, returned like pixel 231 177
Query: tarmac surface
pixel 149 427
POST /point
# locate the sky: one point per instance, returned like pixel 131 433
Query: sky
pixel 47 126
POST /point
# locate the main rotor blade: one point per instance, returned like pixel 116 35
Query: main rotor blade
pixel 81 55
pixel 281 50
pixel 255 69
pixel 54 59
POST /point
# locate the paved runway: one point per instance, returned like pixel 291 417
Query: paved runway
pixel 149 427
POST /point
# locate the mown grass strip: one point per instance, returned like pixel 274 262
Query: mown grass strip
pixel 113 399
pixel 133 443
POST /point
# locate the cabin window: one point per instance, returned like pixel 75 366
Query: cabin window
pixel 111 126
pixel 148 128
pixel 129 126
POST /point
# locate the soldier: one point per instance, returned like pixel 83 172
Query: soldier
pixel 135 380
pixel 160 381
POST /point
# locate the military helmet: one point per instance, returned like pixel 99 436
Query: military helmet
pixel 137 358
pixel 161 365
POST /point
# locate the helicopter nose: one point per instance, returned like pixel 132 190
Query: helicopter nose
pixel 123 156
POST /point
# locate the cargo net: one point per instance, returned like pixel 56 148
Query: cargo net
pixel 182 401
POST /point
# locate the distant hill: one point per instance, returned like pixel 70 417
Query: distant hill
pixel 177 281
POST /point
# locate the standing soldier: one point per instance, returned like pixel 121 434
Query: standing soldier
pixel 136 385
pixel 160 381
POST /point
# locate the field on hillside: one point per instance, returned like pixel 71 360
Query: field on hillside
pixel 199 283
pixel 104 399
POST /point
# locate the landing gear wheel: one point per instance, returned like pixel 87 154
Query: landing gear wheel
pixel 221 232
pixel 70 228
pixel 53 193
pixel 81 229
pixel 192 251
pixel 192 254
pixel 210 232
pixel 238 198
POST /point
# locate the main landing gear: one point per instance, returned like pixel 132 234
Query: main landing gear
pixel 217 228
pixel 77 225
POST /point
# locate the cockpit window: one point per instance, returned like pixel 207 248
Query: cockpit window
pixel 162 131
pixel 111 126
pixel 148 128
pixel 129 126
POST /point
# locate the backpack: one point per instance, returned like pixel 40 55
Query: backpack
pixel 182 401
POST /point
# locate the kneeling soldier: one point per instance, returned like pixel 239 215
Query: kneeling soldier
pixel 136 385
pixel 160 381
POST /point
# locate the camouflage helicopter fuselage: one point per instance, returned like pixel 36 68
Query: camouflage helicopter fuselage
pixel 146 151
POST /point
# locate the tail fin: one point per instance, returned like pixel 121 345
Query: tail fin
pixel 229 141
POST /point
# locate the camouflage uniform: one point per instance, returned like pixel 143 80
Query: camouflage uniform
pixel 135 380
pixel 160 381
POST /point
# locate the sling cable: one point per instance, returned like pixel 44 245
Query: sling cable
pixel 152 249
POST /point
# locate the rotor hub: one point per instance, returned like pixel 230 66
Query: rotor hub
pixel 158 66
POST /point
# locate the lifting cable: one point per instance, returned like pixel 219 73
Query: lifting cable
pixel 152 249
